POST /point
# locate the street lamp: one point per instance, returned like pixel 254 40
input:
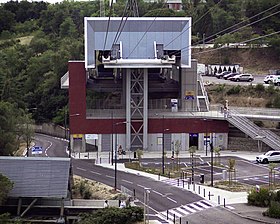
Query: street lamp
pixel 164 130
pixel 206 136
pixel 114 127
pixel 146 204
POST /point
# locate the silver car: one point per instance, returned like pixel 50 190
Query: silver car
pixel 242 77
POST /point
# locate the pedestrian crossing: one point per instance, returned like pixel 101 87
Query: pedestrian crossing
pixel 174 214
pixel 177 182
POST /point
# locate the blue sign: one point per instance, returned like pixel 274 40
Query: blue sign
pixel 37 150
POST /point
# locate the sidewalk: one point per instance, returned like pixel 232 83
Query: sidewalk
pixel 236 202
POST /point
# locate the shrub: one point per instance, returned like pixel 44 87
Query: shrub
pixel 274 210
pixel 234 90
pixel 261 198
pixel 114 215
pixel 260 88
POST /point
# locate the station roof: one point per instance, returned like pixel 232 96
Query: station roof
pixel 137 37
pixel 36 176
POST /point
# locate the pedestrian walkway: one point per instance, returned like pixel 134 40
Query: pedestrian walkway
pixel 174 214
pixel 235 202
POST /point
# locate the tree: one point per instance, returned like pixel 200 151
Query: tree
pixel 5 187
pixel 67 28
pixel 192 150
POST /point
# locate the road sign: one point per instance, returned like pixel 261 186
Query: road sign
pixel 36 150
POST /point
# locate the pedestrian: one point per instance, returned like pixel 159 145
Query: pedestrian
pixel 106 204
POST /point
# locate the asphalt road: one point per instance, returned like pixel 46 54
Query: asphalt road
pixel 191 207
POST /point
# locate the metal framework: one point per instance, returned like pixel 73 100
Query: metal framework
pixel 137 108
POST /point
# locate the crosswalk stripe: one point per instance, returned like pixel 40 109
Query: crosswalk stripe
pixel 182 211
pixel 203 205
pixel 196 207
pixel 173 212
pixel 188 208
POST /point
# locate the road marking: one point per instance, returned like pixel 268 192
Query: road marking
pixel 95 173
pixel 78 168
pixel 158 193
pixel 172 200
pixel 127 181
pixel 109 176
pixel 139 185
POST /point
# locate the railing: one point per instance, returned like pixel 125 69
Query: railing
pixel 200 79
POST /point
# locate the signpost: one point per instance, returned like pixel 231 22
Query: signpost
pixel 36 150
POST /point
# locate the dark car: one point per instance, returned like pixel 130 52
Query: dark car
pixel 230 75
pixel 221 75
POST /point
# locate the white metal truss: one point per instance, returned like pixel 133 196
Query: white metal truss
pixel 137 107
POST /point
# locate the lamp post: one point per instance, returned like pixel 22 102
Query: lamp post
pixel 114 126
pixel 163 145
pixel 206 149
pixel 212 165
pixel 146 204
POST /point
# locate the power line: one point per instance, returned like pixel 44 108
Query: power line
pixel 241 22
pixel 187 47
pixel 193 23
pixel 108 24
pixel 243 42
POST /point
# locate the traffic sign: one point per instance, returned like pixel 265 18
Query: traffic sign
pixel 36 150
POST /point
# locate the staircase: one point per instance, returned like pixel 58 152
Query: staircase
pixel 202 97
pixel 254 131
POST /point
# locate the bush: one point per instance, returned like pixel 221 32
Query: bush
pixel 274 210
pixel 261 198
pixel 114 215
pixel 234 90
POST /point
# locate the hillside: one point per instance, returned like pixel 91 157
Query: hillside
pixel 254 60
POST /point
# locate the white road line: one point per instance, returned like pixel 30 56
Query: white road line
pixel 172 200
pixel 183 211
pixel 127 181
pixel 95 173
pixel 176 213
pixel 109 176
pixel 189 209
pixel 202 204
pixel 78 168
pixel 139 185
pixel 196 207
pixel 157 193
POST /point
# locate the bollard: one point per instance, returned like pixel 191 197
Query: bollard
pixel 180 220
pixel 193 186
pixel 79 155
pixel 100 160
pixel 169 175
pixel 198 189
pixel 158 176
pixel 183 183
pixel 219 200
pixel 204 192
pixel 174 218
pixel 167 214
pixel 88 155
pixel 178 183
pixel 188 186
pixel 224 202
pixel 209 195
pixel 134 194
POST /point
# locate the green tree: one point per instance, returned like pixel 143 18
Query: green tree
pixel 5 187
pixel 67 28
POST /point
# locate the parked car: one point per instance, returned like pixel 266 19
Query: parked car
pixel 221 75
pixel 269 79
pixel 230 75
pixel 270 156
pixel 242 77
pixel 276 80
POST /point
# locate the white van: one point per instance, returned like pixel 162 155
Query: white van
pixel 276 80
